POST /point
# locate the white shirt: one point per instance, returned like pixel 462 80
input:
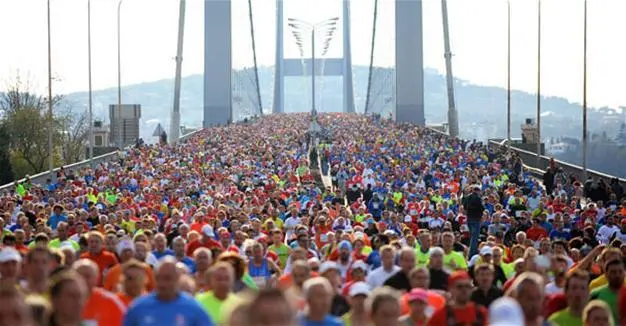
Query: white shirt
pixel 606 232
pixel 378 276
pixel 551 288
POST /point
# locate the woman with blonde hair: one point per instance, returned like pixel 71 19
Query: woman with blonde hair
pixel 597 313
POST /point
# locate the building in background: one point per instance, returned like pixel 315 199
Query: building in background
pixel 124 128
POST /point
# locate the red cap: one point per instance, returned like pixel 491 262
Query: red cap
pixel 458 276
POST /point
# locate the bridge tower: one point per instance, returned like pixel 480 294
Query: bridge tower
pixel 332 66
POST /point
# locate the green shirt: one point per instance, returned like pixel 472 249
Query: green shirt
pixel 282 250
pixel 565 318
pixel 605 294
pixel 458 258
pixel 216 308
pixel 421 258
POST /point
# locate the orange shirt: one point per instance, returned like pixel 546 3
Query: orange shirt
pixel 285 281
pixel 104 307
pixel 104 260
pixel 125 298
pixel 112 279
pixel 464 316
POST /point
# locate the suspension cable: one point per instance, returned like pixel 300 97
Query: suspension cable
pixel 256 67
pixel 371 67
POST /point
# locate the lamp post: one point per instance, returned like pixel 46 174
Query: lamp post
pixel 585 92
pixel 508 74
pixel 120 142
pixel 538 83
pixel 89 83
pixel 50 120
pixel 299 26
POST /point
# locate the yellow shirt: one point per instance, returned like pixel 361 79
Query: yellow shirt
pixel 599 281
pixel 459 261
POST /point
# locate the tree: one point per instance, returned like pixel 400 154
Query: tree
pixel 72 134
pixel 6 172
pixel 26 119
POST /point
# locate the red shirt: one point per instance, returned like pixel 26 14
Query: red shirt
pixel 104 260
pixel 463 316
pixel 536 233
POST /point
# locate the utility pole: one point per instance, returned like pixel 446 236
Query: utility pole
pixel 453 118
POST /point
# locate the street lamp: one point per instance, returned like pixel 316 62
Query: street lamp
pixel 508 73
pixel 89 83
pixel 299 26
pixel 539 84
pixel 119 70
pixel 50 121
pixel 585 92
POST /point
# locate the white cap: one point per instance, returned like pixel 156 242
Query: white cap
pixel 359 264
pixel 359 288
pixel 506 311
pixel 328 265
pixel 8 254
pixel 124 245
pixel 208 231
pixel 486 250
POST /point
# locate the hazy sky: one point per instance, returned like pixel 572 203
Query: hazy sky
pixel 477 28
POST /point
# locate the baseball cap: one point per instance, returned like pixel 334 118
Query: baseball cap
pixel 10 254
pixel 417 294
pixel 506 311
pixel 208 231
pixel 359 288
pixel 125 245
pixel 359 264
pixel 486 250
pixel 327 266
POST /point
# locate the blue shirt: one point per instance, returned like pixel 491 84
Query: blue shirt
pixel 166 252
pixel 182 311
pixel 54 220
pixel 328 321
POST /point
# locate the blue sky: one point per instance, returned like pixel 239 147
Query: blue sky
pixel 477 27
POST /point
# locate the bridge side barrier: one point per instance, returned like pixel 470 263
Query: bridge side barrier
pixel 538 168
pixel 40 178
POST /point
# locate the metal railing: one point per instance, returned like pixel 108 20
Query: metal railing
pixel 529 159
pixel 40 178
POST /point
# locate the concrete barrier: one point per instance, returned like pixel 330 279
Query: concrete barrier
pixel 40 178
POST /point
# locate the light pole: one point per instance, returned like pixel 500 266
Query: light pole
pixel 89 76
pixel 539 84
pixel 50 120
pixel 508 73
pixel 453 120
pixel 120 143
pixel 328 25
pixel 585 92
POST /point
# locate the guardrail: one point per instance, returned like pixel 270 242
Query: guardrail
pixel 40 178
pixel 538 168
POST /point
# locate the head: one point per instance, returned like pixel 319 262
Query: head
pixel 221 278
pixel 319 294
pixel 460 287
pixel 38 264
pixel 577 289
pixel 484 274
pixel 270 307
pixel 384 307
pixel 597 313
pixel 436 258
pixel 528 290
pixel 387 255
pixel 134 277
pixel 614 270
pixel 167 276
pixel 407 259
pixel 13 307
pixel 89 271
pixel 68 295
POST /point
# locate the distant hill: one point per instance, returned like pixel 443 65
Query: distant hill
pixel 482 110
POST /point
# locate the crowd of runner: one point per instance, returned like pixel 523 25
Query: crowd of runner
pixel 233 227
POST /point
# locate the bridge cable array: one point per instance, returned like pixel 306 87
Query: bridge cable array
pixel 380 97
pixel 246 96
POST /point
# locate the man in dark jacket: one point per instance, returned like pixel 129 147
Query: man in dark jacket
pixel 473 205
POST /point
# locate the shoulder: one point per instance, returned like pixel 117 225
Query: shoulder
pixel 334 321
pixel 147 300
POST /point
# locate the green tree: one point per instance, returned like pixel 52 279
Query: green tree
pixel 6 172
